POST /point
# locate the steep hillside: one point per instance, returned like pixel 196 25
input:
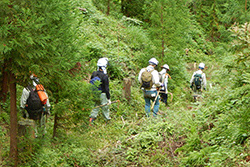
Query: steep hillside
pixel 213 131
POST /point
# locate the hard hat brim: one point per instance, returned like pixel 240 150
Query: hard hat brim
pixel 165 68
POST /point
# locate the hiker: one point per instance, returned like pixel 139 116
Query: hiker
pixel 164 80
pixel 32 107
pixel 150 84
pixel 104 97
pixel 198 80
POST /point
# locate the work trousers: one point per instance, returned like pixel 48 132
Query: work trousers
pixel 105 109
pixel 149 96
pixel 164 98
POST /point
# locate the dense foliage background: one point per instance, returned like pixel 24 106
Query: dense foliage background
pixel 61 41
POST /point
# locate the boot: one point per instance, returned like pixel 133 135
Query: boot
pixel 90 121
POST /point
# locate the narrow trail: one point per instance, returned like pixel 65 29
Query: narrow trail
pixel 183 109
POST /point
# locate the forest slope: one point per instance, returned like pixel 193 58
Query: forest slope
pixel 212 132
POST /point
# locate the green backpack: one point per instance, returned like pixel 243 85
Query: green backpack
pixel 198 80
pixel 146 78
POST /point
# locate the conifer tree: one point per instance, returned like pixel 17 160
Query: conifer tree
pixel 217 16
pixel 169 23
pixel 36 36
pixel 132 8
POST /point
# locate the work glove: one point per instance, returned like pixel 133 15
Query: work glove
pixel 109 101
pixel 159 86
pixel 205 88
pixel 191 86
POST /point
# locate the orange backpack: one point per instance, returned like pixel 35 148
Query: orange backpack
pixel 41 93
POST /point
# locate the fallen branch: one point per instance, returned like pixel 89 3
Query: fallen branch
pixel 123 121
pixel 82 9
pixel 108 104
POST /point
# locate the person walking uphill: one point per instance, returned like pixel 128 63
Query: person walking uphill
pixel 164 80
pixel 104 97
pixel 35 104
pixel 198 80
pixel 150 83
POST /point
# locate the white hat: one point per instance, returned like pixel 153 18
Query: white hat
pixel 166 67
pixel 34 79
pixel 102 62
pixel 201 65
pixel 153 61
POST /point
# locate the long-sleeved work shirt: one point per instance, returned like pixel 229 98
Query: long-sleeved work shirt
pixel 25 96
pixel 204 80
pixel 164 79
pixel 104 82
pixel 155 78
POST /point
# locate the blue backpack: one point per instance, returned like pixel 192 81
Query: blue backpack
pixel 96 82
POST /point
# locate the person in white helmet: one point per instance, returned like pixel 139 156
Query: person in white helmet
pixel 150 89
pixel 198 80
pixel 101 73
pixel 164 76
pixel 33 108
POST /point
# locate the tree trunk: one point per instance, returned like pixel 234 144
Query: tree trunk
pixel 26 128
pixel 13 121
pixel 246 10
pixel 162 26
pixel 4 85
pixel 122 6
pixel 127 88
pixel 55 125
pixel 26 134
pixel 245 5
pixel 55 122
pixel 108 9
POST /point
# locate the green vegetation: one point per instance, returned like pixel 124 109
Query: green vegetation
pixel 61 41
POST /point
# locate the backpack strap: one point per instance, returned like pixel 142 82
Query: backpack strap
pixel 150 70
pixel 94 74
pixel 29 88
pixel 97 74
pixel 197 73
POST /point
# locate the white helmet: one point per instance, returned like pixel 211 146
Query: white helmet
pixel 201 65
pixel 153 61
pixel 166 67
pixel 34 78
pixel 102 62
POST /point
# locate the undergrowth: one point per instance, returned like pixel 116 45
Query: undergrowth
pixel 211 132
